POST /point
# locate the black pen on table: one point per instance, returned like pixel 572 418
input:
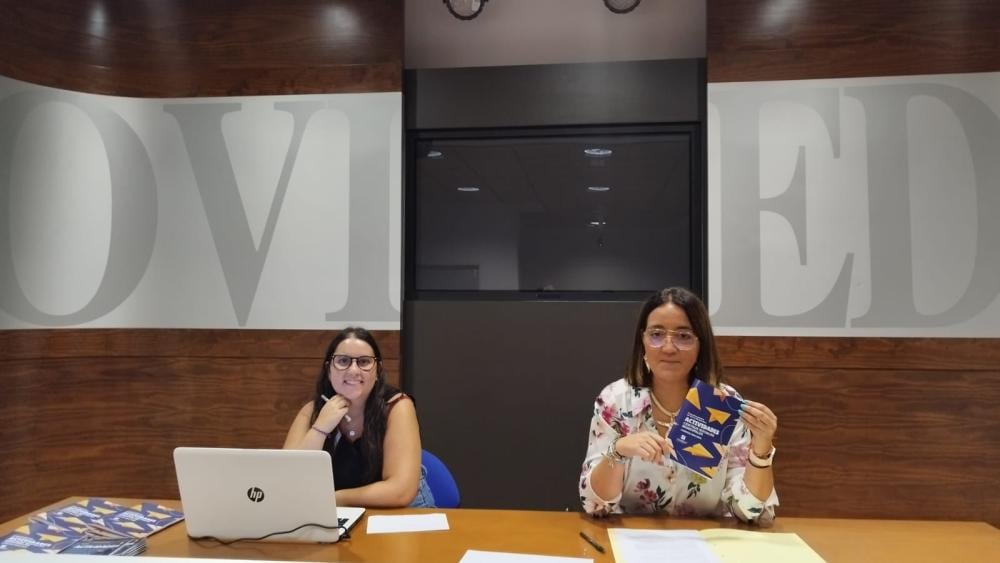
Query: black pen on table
pixel 591 541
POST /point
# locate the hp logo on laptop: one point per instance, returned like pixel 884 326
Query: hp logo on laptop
pixel 255 494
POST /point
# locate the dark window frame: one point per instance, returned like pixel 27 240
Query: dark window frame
pixel 698 217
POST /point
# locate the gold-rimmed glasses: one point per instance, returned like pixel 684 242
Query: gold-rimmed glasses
pixel 683 339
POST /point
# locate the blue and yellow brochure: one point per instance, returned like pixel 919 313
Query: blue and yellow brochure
pixel 703 427
pixel 82 516
pixel 141 520
pixel 93 526
pixel 39 537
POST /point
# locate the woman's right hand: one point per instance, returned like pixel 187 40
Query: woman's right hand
pixel 331 413
pixel 648 446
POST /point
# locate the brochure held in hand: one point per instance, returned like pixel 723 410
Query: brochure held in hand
pixel 703 427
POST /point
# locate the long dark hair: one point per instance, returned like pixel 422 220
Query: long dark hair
pixel 375 407
pixel 708 368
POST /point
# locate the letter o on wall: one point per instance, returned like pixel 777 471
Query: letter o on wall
pixel 133 209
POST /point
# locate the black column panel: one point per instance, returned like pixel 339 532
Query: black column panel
pixel 505 388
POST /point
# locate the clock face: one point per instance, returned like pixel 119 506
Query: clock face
pixel 621 6
pixel 465 9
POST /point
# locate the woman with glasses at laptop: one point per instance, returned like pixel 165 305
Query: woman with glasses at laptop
pixel 628 468
pixel 368 426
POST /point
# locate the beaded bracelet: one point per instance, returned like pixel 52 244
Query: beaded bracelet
pixel 614 458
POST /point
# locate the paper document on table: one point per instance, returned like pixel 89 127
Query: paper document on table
pixel 474 556
pixel 660 546
pixel 407 523
pixel 759 547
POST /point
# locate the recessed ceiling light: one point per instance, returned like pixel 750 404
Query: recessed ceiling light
pixel 599 189
pixel 597 152
pixel 434 154
pixel 598 223
pixel 468 189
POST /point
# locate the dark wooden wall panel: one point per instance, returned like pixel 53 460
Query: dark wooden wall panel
pixel 902 428
pixel 883 443
pixel 180 48
pixel 302 344
pixel 869 427
pixel 98 412
pixel 899 354
pixel 750 40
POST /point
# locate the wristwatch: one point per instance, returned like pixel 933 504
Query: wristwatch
pixel 614 458
pixel 759 461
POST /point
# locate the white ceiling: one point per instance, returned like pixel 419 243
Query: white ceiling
pixel 523 32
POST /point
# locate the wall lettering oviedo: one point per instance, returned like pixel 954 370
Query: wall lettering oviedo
pixel 252 212
pixel 856 207
pixel 846 207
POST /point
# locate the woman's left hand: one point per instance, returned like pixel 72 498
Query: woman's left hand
pixel 762 424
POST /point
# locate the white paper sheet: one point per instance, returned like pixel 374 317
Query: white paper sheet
pixel 660 546
pixel 407 523
pixel 473 556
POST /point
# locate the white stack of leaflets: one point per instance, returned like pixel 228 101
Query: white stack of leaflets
pixel 107 546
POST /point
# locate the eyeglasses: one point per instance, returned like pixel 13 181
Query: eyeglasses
pixel 682 339
pixel 343 362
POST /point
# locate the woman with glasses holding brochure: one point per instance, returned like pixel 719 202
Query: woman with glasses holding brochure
pixel 369 427
pixel 629 469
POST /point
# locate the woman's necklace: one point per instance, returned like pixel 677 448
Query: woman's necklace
pixel 669 414
pixel 350 431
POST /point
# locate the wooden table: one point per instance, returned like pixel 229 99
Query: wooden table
pixel 558 533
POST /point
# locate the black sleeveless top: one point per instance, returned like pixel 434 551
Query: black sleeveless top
pixel 350 467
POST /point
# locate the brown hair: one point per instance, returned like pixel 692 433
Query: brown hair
pixel 707 368
pixel 375 407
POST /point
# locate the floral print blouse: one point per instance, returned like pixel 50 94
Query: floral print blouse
pixel 664 485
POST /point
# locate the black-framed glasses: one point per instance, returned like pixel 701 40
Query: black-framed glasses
pixel 343 362
pixel 683 339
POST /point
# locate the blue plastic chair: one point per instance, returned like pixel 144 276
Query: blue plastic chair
pixel 440 481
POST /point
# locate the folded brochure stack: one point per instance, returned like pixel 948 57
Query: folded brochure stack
pixel 91 526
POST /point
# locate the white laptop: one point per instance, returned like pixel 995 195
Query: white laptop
pixel 231 494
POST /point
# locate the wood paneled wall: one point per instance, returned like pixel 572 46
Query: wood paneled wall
pixel 99 412
pixel 887 428
pixel 900 428
pixel 869 427
pixel 180 48
pixel 752 40
pixel 877 427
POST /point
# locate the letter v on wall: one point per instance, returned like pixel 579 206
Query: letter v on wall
pixel 242 261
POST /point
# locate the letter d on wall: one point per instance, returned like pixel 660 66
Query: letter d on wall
pixel 133 209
